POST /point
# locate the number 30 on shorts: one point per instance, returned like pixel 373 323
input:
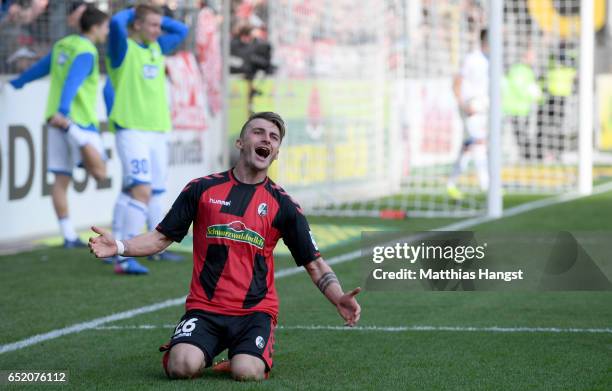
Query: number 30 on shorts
pixel 139 166
pixel 186 326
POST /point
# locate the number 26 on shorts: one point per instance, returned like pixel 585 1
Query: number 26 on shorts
pixel 186 326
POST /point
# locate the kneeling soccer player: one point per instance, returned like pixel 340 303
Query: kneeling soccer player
pixel 238 217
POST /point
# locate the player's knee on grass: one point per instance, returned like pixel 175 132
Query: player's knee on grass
pixel 246 367
pixel 185 362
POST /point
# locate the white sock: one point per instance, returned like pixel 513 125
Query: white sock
pixel 134 218
pixel 67 228
pixel 480 161
pixel 155 214
pixel 118 212
pixel 76 135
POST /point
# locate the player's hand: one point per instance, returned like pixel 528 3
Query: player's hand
pixel 102 246
pixel 348 308
pixel 59 121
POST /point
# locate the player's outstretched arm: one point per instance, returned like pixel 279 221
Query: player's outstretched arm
pixel 325 279
pixel 40 69
pixel 105 245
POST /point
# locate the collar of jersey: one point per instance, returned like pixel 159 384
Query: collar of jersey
pixel 142 45
pixel 233 177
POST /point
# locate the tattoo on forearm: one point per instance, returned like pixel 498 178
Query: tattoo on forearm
pixel 327 279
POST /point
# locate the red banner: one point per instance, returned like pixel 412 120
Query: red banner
pixel 187 95
pixel 208 48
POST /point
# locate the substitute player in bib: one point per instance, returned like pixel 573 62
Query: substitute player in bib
pixel 140 115
pixel 73 137
pixel 238 217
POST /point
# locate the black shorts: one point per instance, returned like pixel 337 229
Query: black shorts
pixel 251 334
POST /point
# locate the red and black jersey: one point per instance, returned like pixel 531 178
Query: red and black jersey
pixel 235 229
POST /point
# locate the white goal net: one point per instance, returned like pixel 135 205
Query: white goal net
pixel 380 120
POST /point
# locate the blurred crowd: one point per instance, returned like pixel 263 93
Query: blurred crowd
pixel 30 27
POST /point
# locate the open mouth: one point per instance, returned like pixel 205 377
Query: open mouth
pixel 263 152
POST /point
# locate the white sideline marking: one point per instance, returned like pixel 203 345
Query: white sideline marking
pixel 89 325
pixel 76 328
pixel 493 329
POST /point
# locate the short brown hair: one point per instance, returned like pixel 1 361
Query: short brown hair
pixel 268 116
pixel 142 10
pixel 92 16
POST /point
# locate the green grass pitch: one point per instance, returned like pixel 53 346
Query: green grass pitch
pixel 50 289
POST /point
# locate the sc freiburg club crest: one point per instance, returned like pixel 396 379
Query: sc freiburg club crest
pixel 262 209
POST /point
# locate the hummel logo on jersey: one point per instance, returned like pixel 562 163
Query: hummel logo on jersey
pixel 220 202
